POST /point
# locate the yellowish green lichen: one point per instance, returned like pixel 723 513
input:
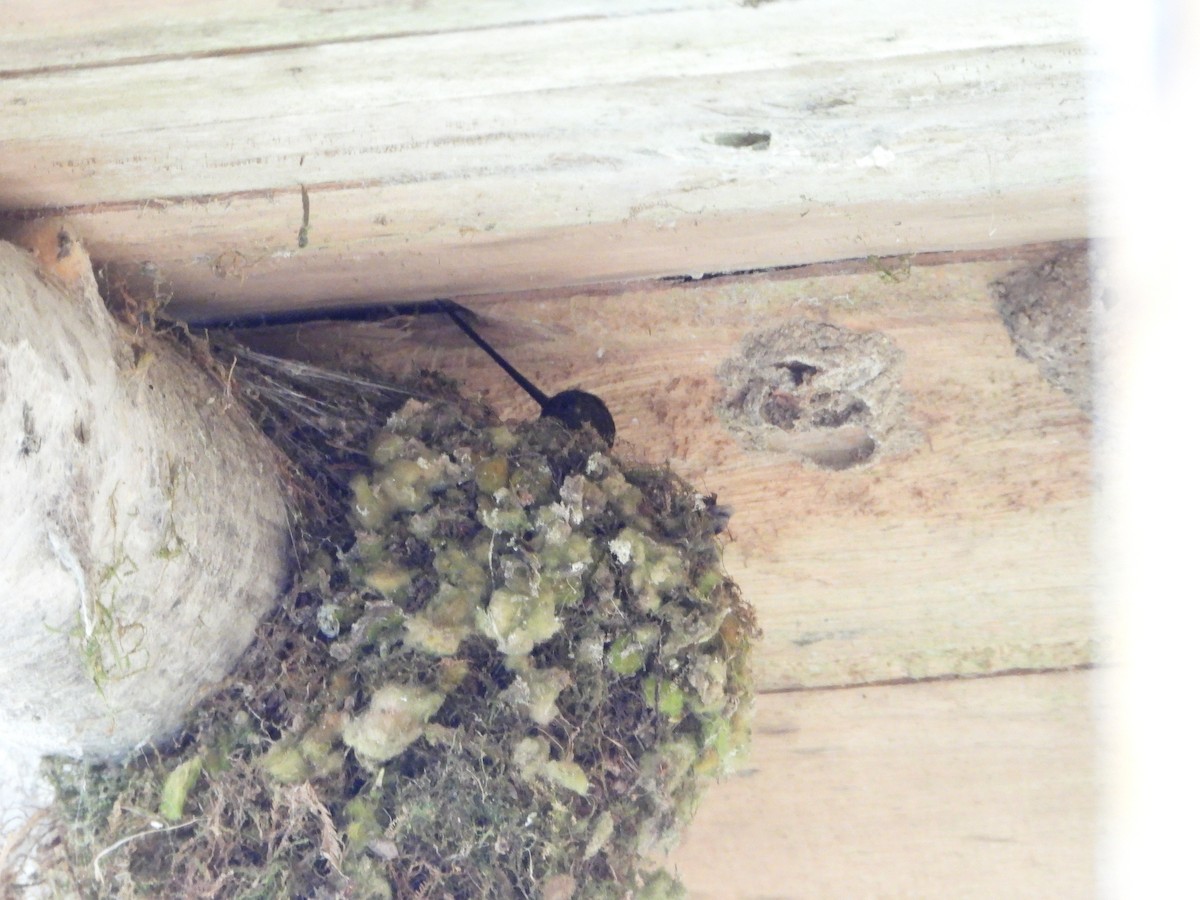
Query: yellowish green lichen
pixel 367 509
pixel 654 569
pixel 629 652
pixel 531 756
pixel 534 691
pixel 177 787
pixel 518 622
pixel 390 580
pixel 395 718
pixel 663 696
pixel 286 764
pixel 491 474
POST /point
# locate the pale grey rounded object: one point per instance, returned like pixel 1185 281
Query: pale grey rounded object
pixel 143 530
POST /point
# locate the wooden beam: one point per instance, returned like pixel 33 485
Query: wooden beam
pixel 970 789
pixel 501 147
pixel 966 553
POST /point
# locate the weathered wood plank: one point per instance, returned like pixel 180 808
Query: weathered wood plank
pixel 494 149
pixel 969 553
pixel 82 33
pixel 972 789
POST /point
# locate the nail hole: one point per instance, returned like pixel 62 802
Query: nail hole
pixel 754 140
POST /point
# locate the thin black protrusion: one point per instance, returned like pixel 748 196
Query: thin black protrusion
pixel 528 386
pixel 369 312
pixel 573 408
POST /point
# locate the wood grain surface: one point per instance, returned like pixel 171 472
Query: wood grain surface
pixel 972 789
pixel 966 554
pixel 456 149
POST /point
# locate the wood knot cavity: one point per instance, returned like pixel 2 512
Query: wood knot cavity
pixel 812 389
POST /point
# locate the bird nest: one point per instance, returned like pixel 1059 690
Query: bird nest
pixel 507 665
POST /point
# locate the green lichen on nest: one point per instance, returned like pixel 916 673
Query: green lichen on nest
pixel 511 680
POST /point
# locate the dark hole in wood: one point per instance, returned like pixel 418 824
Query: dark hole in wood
pixel 755 140
pixel 802 373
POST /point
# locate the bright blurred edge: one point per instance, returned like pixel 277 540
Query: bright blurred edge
pixel 1146 107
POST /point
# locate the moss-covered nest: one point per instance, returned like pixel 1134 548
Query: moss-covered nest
pixel 506 668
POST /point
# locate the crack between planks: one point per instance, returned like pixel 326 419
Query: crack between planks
pixel 26 213
pixel 932 679
pixel 347 40
pixel 280 47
